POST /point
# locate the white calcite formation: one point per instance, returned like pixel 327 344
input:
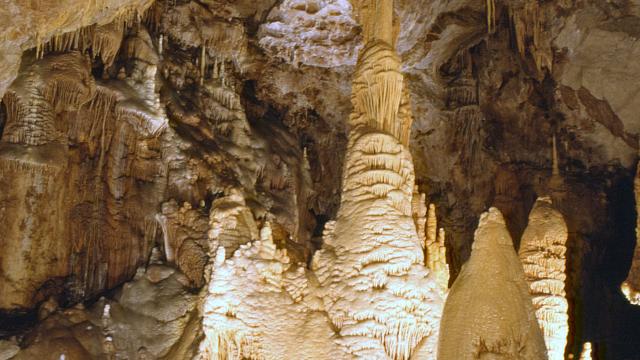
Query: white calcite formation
pixel 631 286
pixel 489 313
pixel 368 294
pixel 586 351
pixel 542 252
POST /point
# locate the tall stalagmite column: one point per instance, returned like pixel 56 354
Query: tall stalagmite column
pixel 368 294
pixel 631 286
pixel 488 313
pixel 384 301
pixel 542 252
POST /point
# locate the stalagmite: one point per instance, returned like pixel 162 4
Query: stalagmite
pixel 631 286
pixel 435 250
pixel 542 252
pixel 489 313
pixel 385 303
pixel 368 294
pixel 586 351
pixel 203 63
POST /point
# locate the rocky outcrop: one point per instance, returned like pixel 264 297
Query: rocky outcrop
pixel 543 255
pixel 156 302
pixel 84 162
pixel 489 312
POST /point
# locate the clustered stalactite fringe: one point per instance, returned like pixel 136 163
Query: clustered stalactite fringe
pixel 55 104
pixel 543 255
pixel 528 24
pixel 103 41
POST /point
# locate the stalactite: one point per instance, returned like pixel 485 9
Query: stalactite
pixel 378 86
pixel 542 252
pixel 203 63
pixel 528 26
pixel 107 39
pixel 491 16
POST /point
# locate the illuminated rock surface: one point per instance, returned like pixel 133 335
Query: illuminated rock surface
pixel 543 255
pixel 368 294
pixel 313 141
pixel 631 286
pixel 488 313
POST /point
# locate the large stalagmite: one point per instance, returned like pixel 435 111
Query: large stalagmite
pixel 542 252
pixel 368 294
pixel 488 313
pixel 631 286
pixel 382 300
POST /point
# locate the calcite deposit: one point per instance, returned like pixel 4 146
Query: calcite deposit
pixel 631 286
pixel 489 313
pixel 543 255
pixel 303 179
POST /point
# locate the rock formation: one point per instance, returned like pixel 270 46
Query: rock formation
pixel 368 292
pixel 157 298
pixel 543 255
pixel 140 138
pixel 586 351
pixel 55 120
pixel 631 286
pixel 489 313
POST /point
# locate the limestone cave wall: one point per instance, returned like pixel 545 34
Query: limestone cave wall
pixel 281 179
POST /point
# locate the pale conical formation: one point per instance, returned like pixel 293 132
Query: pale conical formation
pixel 586 351
pixel 489 313
pixel 631 286
pixel 543 255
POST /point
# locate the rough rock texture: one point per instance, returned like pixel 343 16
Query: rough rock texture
pixel 90 154
pixel 368 294
pixel 488 313
pixel 150 318
pixel 32 25
pixel 543 255
pixel 257 101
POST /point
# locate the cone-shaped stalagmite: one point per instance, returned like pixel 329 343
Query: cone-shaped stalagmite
pixel 542 252
pixel 488 313
pixel 631 286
